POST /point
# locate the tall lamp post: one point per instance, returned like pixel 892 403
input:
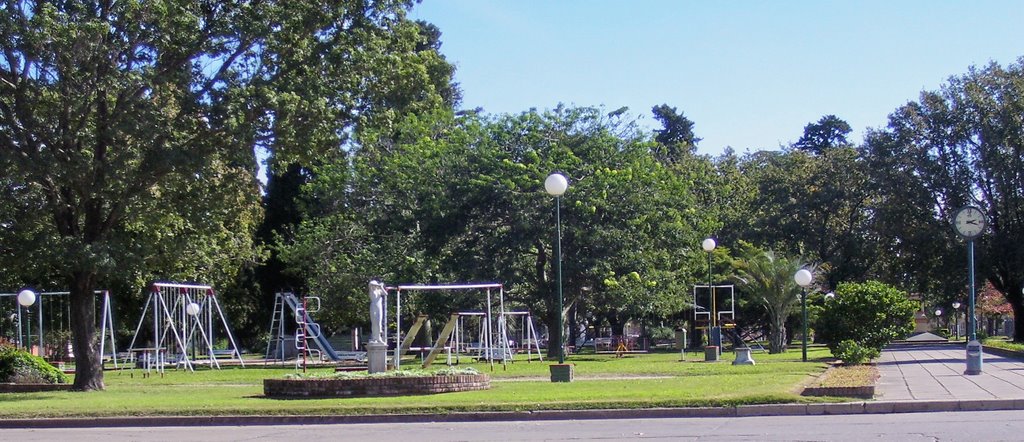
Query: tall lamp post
pixel 556 185
pixel 956 320
pixel 716 332
pixel 803 279
pixel 938 318
pixel 26 298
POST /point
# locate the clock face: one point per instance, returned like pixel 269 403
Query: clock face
pixel 969 222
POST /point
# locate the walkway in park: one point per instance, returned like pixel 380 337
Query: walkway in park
pixel 935 372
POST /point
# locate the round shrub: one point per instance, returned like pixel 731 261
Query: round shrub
pixel 853 353
pixel 21 367
pixel 871 314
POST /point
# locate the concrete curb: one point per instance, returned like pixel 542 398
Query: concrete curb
pixel 870 407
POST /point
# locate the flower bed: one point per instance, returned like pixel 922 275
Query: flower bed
pixel 373 386
pixel 845 381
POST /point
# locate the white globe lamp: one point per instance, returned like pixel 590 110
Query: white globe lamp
pixel 26 297
pixel 803 277
pixel 556 184
pixel 192 309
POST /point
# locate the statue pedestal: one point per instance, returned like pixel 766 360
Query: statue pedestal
pixel 377 357
pixel 743 356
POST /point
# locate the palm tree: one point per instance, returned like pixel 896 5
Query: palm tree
pixel 770 277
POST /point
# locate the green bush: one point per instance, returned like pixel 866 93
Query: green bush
pixel 853 353
pixel 871 314
pixel 662 334
pixel 21 367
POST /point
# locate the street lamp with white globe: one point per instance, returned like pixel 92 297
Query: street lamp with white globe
pixel 715 339
pixel 956 320
pixel 803 278
pixel 556 184
pixel 26 297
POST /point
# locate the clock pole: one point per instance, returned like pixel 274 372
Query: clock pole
pixel 973 346
pixel 972 325
pixel 969 223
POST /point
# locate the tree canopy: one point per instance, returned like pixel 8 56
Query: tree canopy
pixel 130 134
pixel 128 128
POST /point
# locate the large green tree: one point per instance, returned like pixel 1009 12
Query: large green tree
pixel 963 144
pixel 127 129
pixel 456 198
pixel 814 205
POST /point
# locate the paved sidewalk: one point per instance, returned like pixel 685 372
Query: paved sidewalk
pixel 935 372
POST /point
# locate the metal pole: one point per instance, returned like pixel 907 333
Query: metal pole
pixel 558 253
pixel 803 307
pixel 40 301
pixel 711 288
pixel 972 323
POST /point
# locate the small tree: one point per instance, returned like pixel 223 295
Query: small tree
pixel 868 315
pixel 770 278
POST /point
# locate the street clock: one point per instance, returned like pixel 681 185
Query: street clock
pixel 969 222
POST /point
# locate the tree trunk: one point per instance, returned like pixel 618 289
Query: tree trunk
pixel 777 337
pixel 1018 321
pixel 88 361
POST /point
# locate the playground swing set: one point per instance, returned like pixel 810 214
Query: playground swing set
pixel 51 324
pixel 184 317
pixel 492 344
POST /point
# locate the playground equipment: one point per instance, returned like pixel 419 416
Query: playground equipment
pixel 722 312
pixel 179 313
pixel 52 311
pixel 527 335
pixel 493 346
pixel 291 310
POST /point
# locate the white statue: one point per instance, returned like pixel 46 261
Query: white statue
pixel 377 294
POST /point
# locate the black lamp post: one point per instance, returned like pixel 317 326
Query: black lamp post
pixel 803 279
pixel 556 185
pixel 956 320
pixel 715 337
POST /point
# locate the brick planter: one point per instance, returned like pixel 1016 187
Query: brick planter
pixel 33 388
pixel 863 392
pixel 363 387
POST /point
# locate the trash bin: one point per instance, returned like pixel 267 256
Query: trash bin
pixel 973 358
pixel 711 353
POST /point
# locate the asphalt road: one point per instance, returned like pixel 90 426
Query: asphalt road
pixel 947 426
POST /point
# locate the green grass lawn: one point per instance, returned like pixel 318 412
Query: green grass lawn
pixel 601 381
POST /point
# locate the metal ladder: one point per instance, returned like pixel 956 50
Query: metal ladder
pixel 276 340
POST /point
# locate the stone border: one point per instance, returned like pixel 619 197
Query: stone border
pixel 863 392
pixel 363 387
pixel 32 388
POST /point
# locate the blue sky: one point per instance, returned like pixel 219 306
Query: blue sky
pixel 750 74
